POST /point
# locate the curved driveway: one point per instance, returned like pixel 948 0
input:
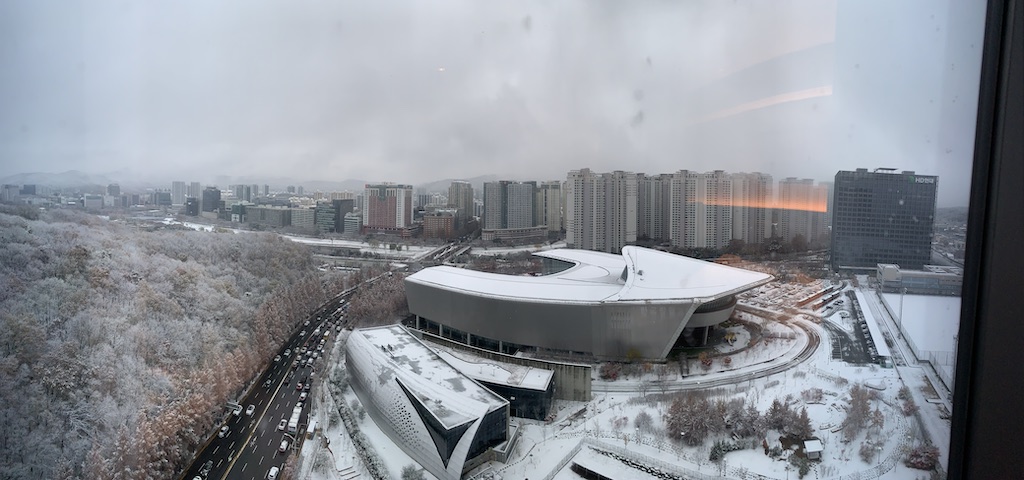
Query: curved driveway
pixel 695 382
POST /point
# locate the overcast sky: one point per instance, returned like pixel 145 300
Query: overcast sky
pixel 419 91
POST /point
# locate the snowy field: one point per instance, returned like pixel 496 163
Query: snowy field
pixel 408 252
pixel 932 321
pixel 492 251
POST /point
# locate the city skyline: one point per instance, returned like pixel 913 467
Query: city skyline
pixel 144 93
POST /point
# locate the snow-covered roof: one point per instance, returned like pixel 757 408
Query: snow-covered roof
pixel 876 334
pixel 596 277
pixel 450 396
pixel 502 373
pixel 814 445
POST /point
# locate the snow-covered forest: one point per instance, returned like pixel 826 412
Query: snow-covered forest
pixel 120 344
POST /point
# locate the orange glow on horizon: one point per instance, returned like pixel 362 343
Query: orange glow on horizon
pixel 819 206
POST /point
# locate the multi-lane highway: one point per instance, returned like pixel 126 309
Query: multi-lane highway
pixel 252 445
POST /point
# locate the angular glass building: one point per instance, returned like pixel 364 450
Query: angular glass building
pixel 441 418
pixel 882 217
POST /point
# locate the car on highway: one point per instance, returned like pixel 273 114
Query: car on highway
pixel 250 410
pixel 206 468
pixel 305 388
pixel 298 386
pixel 223 431
pixel 267 383
pixel 272 474
pixel 283 423
pixel 277 359
pixel 302 333
pixel 284 446
pixel 302 397
pixel 288 352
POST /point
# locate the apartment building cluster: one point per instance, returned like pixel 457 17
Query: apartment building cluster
pixel 605 211
pixel 521 212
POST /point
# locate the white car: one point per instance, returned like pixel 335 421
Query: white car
pixel 223 431
pixel 288 352
pixel 272 474
pixel 250 410
pixel 284 446
pixel 302 397
pixel 283 423
pixel 277 359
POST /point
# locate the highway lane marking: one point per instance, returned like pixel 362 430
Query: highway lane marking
pixel 215 449
pixel 232 446
pixel 261 459
pixel 246 464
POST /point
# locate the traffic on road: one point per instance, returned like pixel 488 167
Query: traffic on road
pixel 257 433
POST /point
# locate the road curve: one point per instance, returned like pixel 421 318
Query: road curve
pixel 694 382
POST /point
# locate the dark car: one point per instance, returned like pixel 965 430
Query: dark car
pixel 298 386
pixel 206 468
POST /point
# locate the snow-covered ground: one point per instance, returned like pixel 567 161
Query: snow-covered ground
pixel 408 252
pixel 492 251
pixel 931 321
pixel 582 431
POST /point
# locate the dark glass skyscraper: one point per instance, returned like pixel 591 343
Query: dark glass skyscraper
pixel 882 217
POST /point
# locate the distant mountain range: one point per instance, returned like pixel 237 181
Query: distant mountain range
pixel 90 181
pixel 68 179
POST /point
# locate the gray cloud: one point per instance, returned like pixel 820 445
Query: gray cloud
pixel 420 91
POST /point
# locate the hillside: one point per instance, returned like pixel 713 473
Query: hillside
pixel 120 344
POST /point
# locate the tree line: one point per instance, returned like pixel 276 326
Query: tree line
pixel 120 345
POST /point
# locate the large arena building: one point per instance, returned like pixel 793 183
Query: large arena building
pixel 633 305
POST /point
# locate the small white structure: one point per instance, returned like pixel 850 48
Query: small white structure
pixel 813 449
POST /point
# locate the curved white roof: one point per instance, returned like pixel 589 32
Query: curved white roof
pixel 596 277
